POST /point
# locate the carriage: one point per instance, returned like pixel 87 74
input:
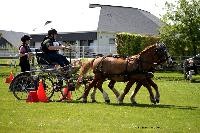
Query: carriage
pixel 191 67
pixel 53 77
pixel 131 69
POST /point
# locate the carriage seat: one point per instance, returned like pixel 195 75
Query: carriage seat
pixel 43 59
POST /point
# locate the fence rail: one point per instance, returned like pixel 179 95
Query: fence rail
pixel 92 51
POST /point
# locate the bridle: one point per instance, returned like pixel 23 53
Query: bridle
pixel 160 51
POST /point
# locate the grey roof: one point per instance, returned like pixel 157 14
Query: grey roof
pixel 4 42
pixel 127 19
pixel 12 37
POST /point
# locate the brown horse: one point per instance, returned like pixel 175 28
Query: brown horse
pixel 129 69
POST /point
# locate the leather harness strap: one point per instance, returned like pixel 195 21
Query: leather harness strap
pixel 125 74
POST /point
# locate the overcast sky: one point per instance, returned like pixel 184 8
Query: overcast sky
pixel 66 15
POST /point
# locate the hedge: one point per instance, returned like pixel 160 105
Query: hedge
pixel 131 44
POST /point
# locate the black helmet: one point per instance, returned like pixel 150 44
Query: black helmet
pixel 25 38
pixel 52 31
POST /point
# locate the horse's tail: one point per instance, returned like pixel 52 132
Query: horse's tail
pixel 83 71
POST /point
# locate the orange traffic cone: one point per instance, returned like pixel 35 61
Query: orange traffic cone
pixel 32 97
pixel 41 93
pixel 10 78
pixel 67 94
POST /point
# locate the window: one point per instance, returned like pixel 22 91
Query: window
pixel 111 40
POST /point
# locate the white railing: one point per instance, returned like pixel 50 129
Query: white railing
pixel 6 53
pixel 77 51
pixel 90 51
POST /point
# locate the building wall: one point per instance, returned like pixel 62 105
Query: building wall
pixel 37 44
pixel 104 43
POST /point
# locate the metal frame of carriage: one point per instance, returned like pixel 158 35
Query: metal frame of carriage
pixel 188 74
pixel 54 79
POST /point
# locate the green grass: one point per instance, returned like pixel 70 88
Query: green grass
pixel 178 111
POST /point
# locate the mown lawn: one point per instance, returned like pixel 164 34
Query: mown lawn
pixel 178 111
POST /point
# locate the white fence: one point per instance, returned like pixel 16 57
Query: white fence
pixel 77 51
pixel 90 51
pixel 6 53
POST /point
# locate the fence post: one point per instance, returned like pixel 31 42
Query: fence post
pixel 83 51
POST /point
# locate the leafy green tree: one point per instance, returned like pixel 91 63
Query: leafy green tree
pixel 182 30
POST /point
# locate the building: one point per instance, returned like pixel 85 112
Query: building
pixel 112 20
pixel 11 37
pixel 9 42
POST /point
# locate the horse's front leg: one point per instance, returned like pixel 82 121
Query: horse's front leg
pixel 147 85
pixel 126 90
pixel 154 85
pixel 111 86
pixel 137 88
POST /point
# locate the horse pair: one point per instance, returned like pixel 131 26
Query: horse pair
pixel 132 69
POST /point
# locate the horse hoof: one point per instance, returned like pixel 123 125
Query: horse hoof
pixel 154 102
pixel 107 101
pixel 94 101
pixel 157 100
pixel 120 102
pixel 134 103
pixel 84 101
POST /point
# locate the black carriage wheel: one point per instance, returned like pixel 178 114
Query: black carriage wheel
pixel 11 87
pixel 22 85
pixel 52 90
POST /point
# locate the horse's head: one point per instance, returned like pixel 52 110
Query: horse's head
pixel 161 54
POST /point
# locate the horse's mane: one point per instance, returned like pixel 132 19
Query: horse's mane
pixel 146 49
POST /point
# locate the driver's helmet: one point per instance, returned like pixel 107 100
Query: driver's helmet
pixel 52 32
pixel 24 38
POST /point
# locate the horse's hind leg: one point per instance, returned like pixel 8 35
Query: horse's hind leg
pixel 126 90
pixel 154 85
pixel 87 90
pixel 137 88
pixel 111 86
pixel 93 94
pixel 105 95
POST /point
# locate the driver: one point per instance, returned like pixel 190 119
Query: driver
pixel 51 47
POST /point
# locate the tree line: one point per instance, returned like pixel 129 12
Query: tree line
pixel 181 32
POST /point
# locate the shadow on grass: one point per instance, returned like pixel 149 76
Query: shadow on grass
pixel 195 81
pixel 156 106
pixel 139 105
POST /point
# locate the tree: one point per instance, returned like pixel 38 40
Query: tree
pixel 182 30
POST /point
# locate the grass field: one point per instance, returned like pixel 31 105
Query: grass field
pixel 178 111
